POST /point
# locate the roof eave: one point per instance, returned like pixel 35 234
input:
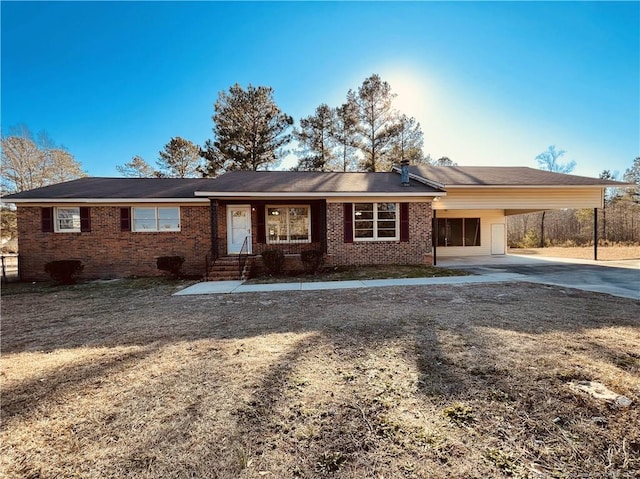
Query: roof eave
pixel 306 194
pixel 104 200
pixel 454 186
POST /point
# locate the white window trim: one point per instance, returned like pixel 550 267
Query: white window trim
pixel 375 223
pixel 56 220
pixel 156 219
pixel 288 241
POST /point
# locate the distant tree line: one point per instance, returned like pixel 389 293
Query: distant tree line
pixel 618 221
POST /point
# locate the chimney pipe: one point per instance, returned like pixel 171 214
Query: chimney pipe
pixel 404 172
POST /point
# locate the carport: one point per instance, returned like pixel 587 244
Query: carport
pixel 471 220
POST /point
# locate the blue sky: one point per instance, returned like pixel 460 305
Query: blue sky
pixel 490 83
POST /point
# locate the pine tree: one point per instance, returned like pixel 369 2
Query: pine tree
pixel 136 168
pixel 250 131
pixel 180 158
pixel 315 137
pixel 378 126
pixel 345 131
pixel 409 141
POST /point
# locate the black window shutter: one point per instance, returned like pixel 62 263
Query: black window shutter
pixel 404 222
pixel 348 223
pixel 85 219
pixel 47 220
pixel 316 221
pixel 261 233
pixel 125 219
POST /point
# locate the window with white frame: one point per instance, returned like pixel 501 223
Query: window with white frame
pixel 375 221
pixel 288 224
pixel 156 218
pixel 67 220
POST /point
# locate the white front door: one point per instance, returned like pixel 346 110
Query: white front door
pixel 238 228
pixel 497 238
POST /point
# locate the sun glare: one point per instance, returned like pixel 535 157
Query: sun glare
pixel 410 90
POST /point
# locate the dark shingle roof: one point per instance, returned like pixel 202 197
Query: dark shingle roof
pixel 313 182
pixel 265 182
pixel 116 188
pixel 503 176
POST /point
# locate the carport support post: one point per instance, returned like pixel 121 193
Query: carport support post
pixel 595 234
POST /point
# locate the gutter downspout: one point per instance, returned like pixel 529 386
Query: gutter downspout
pixel 434 235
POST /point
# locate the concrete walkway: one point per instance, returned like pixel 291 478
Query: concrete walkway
pixel 618 278
pixel 217 287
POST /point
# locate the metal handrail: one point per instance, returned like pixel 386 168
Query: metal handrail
pixel 209 260
pixel 244 254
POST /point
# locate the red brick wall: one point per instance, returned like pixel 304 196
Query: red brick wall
pixel 107 252
pixel 416 251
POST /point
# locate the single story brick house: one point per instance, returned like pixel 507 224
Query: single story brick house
pixel 118 227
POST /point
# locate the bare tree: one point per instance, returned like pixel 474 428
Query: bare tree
pixel 29 163
pixel 444 161
pixel 549 160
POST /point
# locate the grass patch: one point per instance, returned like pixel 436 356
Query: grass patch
pixel 348 273
pixel 121 379
pixel 112 287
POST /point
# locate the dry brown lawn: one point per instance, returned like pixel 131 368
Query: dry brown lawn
pixel 122 380
pixel 605 253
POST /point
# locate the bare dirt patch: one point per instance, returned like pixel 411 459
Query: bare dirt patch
pixel 605 253
pixel 114 380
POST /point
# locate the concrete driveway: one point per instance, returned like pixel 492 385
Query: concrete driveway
pixel 619 278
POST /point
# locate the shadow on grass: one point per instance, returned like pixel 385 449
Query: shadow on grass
pixel 491 353
pixel 26 396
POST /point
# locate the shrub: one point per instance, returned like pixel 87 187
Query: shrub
pixel 312 260
pixel 171 264
pixel 530 240
pixel 64 271
pixel 273 260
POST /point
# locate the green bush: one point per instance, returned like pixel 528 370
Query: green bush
pixel 65 271
pixel 273 260
pixel 171 264
pixel 312 260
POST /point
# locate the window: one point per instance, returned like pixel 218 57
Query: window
pixel 156 219
pixel 375 221
pixel 288 224
pixel 458 231
pixel 67 220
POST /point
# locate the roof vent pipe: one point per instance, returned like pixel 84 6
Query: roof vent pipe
pixel 404 172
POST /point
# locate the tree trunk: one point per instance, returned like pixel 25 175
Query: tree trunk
pixel 542 230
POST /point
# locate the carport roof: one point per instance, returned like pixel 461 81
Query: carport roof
pixel 504 176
